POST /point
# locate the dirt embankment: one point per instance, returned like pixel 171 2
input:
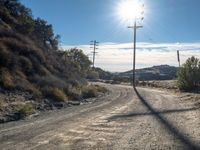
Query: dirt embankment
pixel 16 105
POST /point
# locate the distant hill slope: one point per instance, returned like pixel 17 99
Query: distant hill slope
pixel 162 72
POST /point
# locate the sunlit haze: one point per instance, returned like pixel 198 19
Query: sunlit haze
pixel 130 9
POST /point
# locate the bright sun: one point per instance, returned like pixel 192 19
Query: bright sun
pixel 130 9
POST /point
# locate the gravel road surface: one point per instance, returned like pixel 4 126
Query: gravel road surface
pixel 121 120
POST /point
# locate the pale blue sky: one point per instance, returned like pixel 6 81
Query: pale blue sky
pixel 79 21
pixel 167 22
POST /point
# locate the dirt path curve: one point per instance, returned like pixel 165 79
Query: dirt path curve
pixel 123 119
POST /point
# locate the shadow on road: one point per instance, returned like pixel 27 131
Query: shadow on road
pixel 150 113
pixel 158 114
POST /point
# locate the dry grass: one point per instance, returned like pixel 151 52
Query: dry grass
pixel 74 94
pixel 25 64
pixel 92 91
pixel 1 104
pixel 58 95
pixel 49 81
pixel 26 110
pixel 6 79
pixel 89 92
pixel 20 74
pixel 5 55
pixel 43 71
pixel 165 84
pixel 101 89
pixel 25 85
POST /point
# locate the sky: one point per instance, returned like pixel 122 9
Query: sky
pixel 168 25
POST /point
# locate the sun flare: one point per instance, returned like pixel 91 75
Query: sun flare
pixel 130 9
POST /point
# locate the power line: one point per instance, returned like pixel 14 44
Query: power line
pixel 94 45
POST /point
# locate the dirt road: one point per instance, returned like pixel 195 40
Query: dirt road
pixel 123 119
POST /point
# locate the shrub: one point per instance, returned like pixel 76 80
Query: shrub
pixel 92 91
pixel 43 71
pixel 23 47
pixel 89 92
pixel 56 94
pixel 74 94
pixel 26 64
pixel 101 89
pixel 24 85
pixel 189 74
pixel 6 17
pixel 118 79
pixel 26 110
pixel 5 56
pixel 6 79
pixel 49 81
pixel 20 74
pixel 92 74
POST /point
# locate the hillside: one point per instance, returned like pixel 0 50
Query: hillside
pixel 34 74
pixel 162 72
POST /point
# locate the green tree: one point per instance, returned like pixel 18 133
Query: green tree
pixel 55 42
pixel 17 15
pixel 44 33
pixel 189 74
pixel 26 24
pixel 11 5
pixel 78 58
pixel 16 8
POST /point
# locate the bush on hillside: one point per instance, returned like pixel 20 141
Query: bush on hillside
pixel 56 94
pixel 91 91
pixel 29 57
pixel 6 80
pixel 5 56
pixel 26 110
pixel 101 89
pixel 189 74
pixel 92 75
pixel 26 64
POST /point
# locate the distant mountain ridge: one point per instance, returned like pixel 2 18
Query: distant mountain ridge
pixel 161 72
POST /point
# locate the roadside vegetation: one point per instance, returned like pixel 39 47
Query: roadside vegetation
pixel 92 91
pixel 57 95
pixel 162 84
pixel 32 65
pixel 189 75
pixel 188 78
pixel 26 110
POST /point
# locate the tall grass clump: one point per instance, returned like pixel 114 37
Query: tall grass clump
pixel 6 80
pixel 91 91
pixel 55 94
pixel 26 110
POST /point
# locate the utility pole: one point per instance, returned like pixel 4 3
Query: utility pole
pixel 135 27
pixel 94 45
pixel 178 58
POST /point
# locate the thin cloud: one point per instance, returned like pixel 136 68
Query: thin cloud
pixel 117 57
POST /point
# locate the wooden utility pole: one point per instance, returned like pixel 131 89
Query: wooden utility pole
pixel 178 58
pixel 94 45
pixel 135 27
